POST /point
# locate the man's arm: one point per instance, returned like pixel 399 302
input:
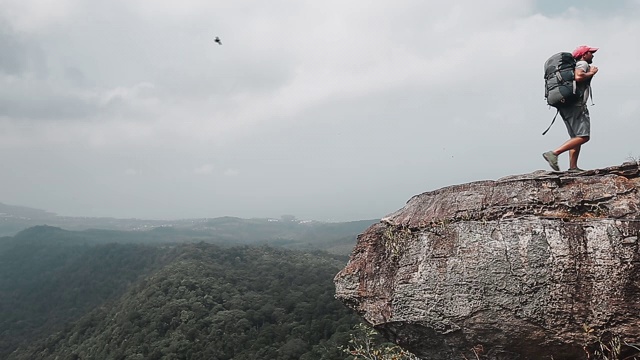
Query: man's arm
pixel 581 75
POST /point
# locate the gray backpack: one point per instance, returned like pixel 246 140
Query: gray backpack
pixel 560 86
pixel 559 81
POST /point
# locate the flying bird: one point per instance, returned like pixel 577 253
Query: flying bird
pixel 218 40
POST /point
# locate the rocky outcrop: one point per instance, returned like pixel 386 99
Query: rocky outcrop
pixel 535 266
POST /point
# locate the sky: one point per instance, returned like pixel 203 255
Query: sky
pixel 325 110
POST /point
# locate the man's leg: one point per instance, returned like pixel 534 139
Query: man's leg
pixel 572 145
pixel 573 157
pixel 576 119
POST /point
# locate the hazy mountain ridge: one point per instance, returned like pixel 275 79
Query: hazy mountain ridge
pixel 335 237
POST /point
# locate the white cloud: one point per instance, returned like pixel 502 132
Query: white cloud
pixel 138 92
pixel 36 15
pixel 205 169
pixel 231 172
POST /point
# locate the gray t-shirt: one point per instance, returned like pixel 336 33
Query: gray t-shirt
pixel 583 87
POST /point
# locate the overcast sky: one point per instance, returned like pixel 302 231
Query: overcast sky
pixel 323 109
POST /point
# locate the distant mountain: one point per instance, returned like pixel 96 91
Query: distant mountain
pixel 72 295
pixel 12 211
pixel 16 218
pixel 337 238
pixel 286 232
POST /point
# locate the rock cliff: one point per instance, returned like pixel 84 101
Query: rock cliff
pixel 535 266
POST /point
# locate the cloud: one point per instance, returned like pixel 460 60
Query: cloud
pixel 231 172
pixel 37 15
pixel 205 169
pixel 13 59
pixel 366 103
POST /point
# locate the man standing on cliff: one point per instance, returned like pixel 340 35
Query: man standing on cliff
pixel 576 115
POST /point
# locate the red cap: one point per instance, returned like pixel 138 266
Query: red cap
pixel 581 50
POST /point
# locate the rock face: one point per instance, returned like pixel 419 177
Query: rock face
pixel 535 266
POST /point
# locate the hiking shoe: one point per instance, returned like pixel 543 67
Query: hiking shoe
pixel 575 170
pixel 552 159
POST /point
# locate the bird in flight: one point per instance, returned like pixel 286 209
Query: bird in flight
pixel 218 40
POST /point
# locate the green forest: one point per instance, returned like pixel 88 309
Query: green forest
pixel 105 295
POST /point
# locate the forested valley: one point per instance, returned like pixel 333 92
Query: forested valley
pixel 109 295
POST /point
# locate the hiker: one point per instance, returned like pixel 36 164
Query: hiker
pixel 576 114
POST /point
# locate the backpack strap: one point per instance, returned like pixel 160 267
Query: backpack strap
pixel 552 121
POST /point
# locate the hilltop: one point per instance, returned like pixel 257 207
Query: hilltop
pixel 77 295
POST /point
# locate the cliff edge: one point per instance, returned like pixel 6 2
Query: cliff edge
pixel 535 266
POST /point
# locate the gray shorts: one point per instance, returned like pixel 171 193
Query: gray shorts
pixel 576 118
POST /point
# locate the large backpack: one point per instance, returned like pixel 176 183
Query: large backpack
pixel 559 81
